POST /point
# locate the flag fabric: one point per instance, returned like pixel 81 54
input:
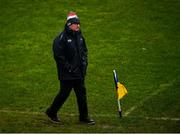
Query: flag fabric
pixel 121 90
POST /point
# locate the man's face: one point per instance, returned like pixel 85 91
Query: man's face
pixel 74 27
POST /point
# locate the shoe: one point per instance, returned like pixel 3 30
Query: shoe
pixel 87 121
pixel 52 118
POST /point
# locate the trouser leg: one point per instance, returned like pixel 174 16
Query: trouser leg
pixel 65 89
pixel 80 91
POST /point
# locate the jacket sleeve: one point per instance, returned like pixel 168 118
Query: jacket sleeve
pixel 85 57
pixel 85 52
pixel 59 53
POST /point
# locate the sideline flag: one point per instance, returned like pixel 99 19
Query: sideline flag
pixel 121 91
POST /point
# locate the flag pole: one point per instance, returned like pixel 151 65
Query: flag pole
pixel 118 100
pixel 119 108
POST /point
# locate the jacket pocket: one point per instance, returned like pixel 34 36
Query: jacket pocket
pixel 67 67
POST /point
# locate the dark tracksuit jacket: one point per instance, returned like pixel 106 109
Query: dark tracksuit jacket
pixel 70 54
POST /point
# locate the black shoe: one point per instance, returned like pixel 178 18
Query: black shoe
pixel 87 121
pixel 52 118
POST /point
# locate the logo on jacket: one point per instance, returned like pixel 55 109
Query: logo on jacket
pixel 69 40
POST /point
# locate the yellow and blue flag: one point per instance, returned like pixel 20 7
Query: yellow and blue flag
pixel 121 90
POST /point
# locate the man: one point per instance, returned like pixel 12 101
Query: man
pixel 70 54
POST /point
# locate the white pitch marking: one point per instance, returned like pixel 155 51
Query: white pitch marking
pixel 94 115
pixel 161 88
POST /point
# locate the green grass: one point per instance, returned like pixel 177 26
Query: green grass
pixel 138 38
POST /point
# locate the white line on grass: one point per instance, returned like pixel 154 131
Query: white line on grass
pixel 161 88
pixel 162 118
pixel 94 115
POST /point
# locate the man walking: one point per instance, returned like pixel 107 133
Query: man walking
pixel 70 54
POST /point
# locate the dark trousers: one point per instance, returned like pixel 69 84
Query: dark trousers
pixel 65 89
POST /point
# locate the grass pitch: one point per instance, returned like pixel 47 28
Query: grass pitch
pixel 138 38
